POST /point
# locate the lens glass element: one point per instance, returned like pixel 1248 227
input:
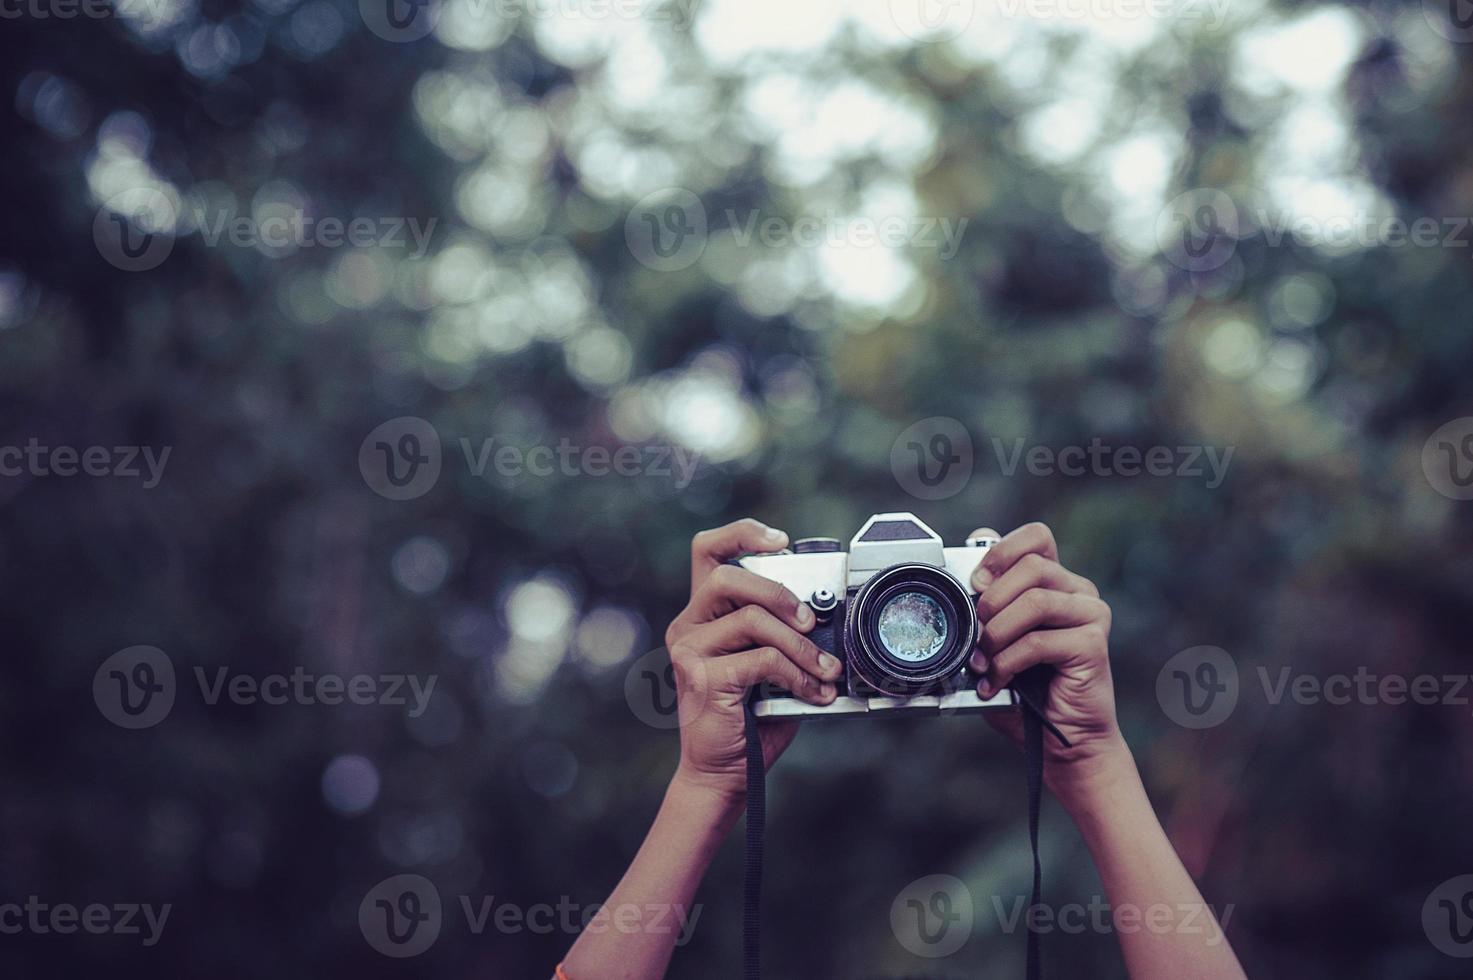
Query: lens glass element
pixel 912 627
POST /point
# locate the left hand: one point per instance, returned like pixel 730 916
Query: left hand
pixel 1032 610
pixel 738 630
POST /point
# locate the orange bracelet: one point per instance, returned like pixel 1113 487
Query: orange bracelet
pixel 560 975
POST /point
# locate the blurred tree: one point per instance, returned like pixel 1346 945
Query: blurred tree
pixel 1041 172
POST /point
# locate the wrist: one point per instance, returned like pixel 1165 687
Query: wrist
pixel 1086 782
pixel 714 801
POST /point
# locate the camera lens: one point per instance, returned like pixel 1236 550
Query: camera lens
pixel 912 627
pixel 909 629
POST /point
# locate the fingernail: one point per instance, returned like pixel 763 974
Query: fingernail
pixel 979 662
pixel 805 616
pixel 827 692
pixel 984 689
pixel 981 578
pixel 774 535
pixel 828 663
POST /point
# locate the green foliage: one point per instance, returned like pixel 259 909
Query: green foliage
pixel 531 318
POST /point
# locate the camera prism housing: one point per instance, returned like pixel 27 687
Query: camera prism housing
pixel 898 611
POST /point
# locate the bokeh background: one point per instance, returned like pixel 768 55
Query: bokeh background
pixel 533 135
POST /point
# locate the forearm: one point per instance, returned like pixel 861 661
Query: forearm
pixel 1166 930
pixel 651 910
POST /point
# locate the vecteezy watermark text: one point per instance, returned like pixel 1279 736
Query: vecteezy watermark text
pixel 837 230
pixel 934 916
pixel 933 21
pixel 1365 231
pixel 933 459
pixel 403 915
pixel 149 11
pixel 35 459
pixel 1200 229
pixel 1214 12
pixel 284 233
pixel 1200 687
pixel 569 459
pixel 569 918
pixel 404 21
pixel 301 687
pixel 678 13
pixel 135 230
pixel 401 459
pixel 1098 459
pixel 64 919
pixel 669 229
pixel 135 688
pixel 1099 916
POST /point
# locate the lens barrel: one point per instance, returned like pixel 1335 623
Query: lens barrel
pixel 909 627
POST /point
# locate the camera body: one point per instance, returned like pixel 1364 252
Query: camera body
pixel 898 611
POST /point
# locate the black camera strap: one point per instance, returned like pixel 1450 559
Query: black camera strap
pixel 752 872
pixel 1031 688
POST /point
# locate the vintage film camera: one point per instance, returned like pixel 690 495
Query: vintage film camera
pixel 898 611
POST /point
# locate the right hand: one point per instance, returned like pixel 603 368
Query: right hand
pixel 739 629
pixel 1035 611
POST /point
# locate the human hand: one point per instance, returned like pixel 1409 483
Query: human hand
pixel 739 629
pixel 1032 611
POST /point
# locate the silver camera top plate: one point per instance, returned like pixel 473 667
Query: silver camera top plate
pixel 869 551
pixel 958 702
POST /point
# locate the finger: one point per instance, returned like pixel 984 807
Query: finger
pixel 1035 609
pixel 709 549
pixel 753 626
pixel 769 665
pixel 1032 571
pixel 729 588
pixel 1032 538
pixel 1058 647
